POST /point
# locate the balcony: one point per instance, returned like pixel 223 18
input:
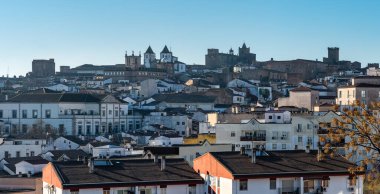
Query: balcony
pixel 289 190
pixel 322 131
pixel 253 138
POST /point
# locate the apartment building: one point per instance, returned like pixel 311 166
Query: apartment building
pixel 363 92
pixel 276 172
pixel 66 113
pixel 12 147
pixel 278 131
pixel 161 176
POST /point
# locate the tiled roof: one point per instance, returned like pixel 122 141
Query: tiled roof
pixel 362 85
pixel 19 159
pixel 301 89
pixel 149 50
pixel 162 150
pixel 76 140
pixel 165 50
pixel 72 154
pixel 183 98
pixel 280 162
pixel 126 173
pixel 54 97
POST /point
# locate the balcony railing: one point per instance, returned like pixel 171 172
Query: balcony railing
pixel 322 131
pixel 252 138
pixel 289 190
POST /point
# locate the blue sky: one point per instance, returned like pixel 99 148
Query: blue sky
pixel 76 32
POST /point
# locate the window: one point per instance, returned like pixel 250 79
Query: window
pixel 348 93
pixel 284 146
pixel 6 154
pixel 14 114
pixel 243 185
pixel 34 114
pixel 126 191
pixel 88 129
pixel 274 146
pixel 110 112
pixel 363 93
pixel 233 134
pixel 163 189
pixel 183 123
pixel 74 191
pixel 351 181
pixel 325 183
pixel 24 114
pixel 116 113
pixel 272 184
pixel 24 128
pixel 278 117
pixel 192 189
pixel 270 117
pixel 299 139
pixel 106 191
pixel 48 113
pixel 32 153
pixel 17 154
pixel 340 94
pixel 103 113
pixel 79 129
pixel 308 186
pixel 1 113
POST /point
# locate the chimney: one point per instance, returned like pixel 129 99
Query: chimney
pixel 91 165
pixel 253 158
pixel 242 150
pixel 307 150
pixel 163 163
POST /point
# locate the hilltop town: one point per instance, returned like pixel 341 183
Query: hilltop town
pixel 155 124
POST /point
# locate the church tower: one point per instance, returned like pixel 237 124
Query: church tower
pixel 166 55
pixel 149 58
pixel 133 62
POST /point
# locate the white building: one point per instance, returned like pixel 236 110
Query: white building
pixel 107 151
pixel 164 176
pixel 23 165
pixel 68 114
pixel 278 131
pixel 10 148
pixel 279 172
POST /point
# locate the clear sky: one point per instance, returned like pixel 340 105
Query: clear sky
pixel 75 32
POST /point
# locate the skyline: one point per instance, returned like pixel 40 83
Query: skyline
pixel 99 32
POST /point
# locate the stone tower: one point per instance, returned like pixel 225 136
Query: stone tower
pixel 132 61
pixel 149 58
pixel 333 54
pixel 166 55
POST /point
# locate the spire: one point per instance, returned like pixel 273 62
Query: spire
pixel 165 50
pixel 149 50
pixel 244 46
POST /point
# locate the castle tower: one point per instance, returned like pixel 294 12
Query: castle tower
pixel 231 52
pixel 166 55
pixel 132 61
pixel 244 50
pixel 333 54
pixel 149 58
